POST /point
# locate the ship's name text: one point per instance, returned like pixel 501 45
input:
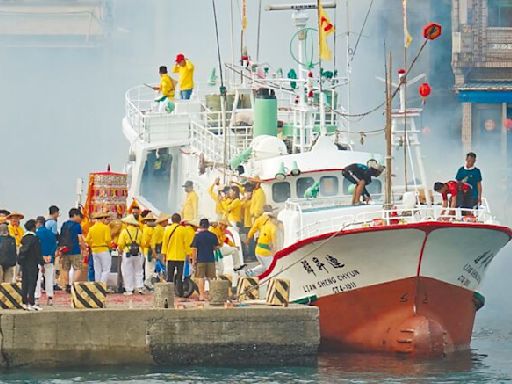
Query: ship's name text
pixel 333 281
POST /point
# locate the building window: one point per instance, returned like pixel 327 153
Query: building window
pixel 500 13
pixel 329 186
pixel 304 183
pixel 281 192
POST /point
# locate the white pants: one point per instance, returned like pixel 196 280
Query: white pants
pixel 102 265
pixel 131 267
pixel 48 281
pixel 265 262
pixel 150 270
pixel 227 250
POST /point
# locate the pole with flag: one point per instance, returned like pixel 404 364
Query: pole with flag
pixel 325 29
pixel 407 35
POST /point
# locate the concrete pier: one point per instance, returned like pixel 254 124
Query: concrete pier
pixel 216 336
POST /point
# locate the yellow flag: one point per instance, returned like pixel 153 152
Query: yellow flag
pixel 407 35
pixel 325 29
pixel 244 15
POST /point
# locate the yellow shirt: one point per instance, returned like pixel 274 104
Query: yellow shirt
pixel 147 236
pixel 215 197
pixel 258 200
pixel 189 211
pixel 233 210
pixel 17 232
pixel 258 224
pixel 246 213
pixel 99 237
pixel 167 86
pixel 129 234
pixel 266 239
pixel 116 227
pixel 158 236
pixel 186 74
pixel 221 235
pixel 174 247
pixel 189 233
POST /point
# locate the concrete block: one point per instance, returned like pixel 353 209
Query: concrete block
pixel 164 295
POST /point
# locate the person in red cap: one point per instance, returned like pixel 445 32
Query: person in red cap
pixel 185 69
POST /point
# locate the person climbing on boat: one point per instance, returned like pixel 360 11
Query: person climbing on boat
pixel 455 195
pixel 166 88
pixel 185 69
pixel 361 175
pixel 233 207
pixel 218 195
pixel 266 226
pixel 189 210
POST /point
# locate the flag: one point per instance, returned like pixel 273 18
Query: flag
pixel 407 35
pixel 325 29
pixel 244 15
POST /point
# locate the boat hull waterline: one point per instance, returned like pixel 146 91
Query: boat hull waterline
pixel 400 288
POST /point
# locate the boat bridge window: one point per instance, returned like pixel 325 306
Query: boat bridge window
pixel 156 175
pixel 375 187
pixel 281 192
pixel 304 183
pixel 329 186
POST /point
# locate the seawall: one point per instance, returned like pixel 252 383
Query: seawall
pixel 216 336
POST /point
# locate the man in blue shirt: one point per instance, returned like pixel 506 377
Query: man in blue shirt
pixel 48 248
pixel 71 244
pixel 51 223
pixel 203 247
pixel 471 175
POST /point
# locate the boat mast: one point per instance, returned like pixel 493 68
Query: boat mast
pixel 388 190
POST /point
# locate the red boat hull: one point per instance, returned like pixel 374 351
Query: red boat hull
pixel 414 316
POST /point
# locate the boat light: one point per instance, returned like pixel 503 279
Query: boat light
pixel 281 173
pixel 295 171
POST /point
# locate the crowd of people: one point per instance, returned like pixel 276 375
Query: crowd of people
pixel 151 248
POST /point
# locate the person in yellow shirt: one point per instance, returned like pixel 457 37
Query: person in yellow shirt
pixel 258 199
pixel 167 88
pixel 99 240
pixel 226 247
pixel 265 226
pixel 189 210
pixel 233 207
pixel 148 230
pixel 174 248
pixel 158 236
pixel 15 229
pixel 246 207
pixel 129 243
pixel 185 69
pixel 218 195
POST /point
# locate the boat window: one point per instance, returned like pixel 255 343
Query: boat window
pixel 156 175
pixel 375 187
pixel 329 186
pixel 304 183
pixel 281 192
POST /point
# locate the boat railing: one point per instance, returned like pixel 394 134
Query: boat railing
pixel 210 144
pixel 396 216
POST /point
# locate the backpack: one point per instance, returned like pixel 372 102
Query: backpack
pixel 134 249
pixel 7 251
pixel 66 238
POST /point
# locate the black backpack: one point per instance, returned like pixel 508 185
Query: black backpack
pixel 7 251
pixel 134 249
pixel 66 237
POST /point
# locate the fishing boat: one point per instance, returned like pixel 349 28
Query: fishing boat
pixel 399 275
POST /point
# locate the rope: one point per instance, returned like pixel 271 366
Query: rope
pixel 354 51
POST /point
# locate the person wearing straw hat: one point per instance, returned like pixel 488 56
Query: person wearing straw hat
pixel 148 230
pixel 100 240
pixel 14 226
pixel 129 244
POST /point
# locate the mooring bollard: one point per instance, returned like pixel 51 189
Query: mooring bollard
pixel 164 295
pixel 218 292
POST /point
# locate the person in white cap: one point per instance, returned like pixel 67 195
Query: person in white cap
pixel 129 245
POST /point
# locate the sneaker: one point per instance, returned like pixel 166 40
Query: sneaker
pixel 24 307
pixel 56 287
pixel 31 308
pixel 36 308
pixel 140 291
pixel 128 293
pixel 240 268
pixel 50 302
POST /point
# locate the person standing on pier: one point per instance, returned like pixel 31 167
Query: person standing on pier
pixel 185 69
pixel 14 227
pixel 190 205
pixel 148 231
pixel 203 247
pixel 129 244
pixel 7 254
pixel 29 259
pixel 99 239
pixel 48 243
pixel 71 246
pixel 51 222
pixel 175 249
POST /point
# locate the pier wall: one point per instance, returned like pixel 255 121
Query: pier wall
pixel 218 336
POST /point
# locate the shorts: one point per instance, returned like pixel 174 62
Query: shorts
pixel 74 261
pixel 205 270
